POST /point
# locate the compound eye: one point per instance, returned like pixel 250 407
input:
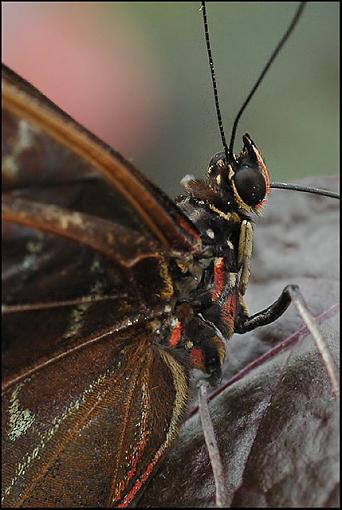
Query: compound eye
pixel 250 184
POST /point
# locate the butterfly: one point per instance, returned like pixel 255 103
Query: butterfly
pixel 94 408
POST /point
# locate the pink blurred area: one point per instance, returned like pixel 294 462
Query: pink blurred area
pixel 92 61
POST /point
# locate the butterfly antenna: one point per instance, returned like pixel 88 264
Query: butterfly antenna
pixel 305 189
pixel 213 79
pixel 270 61
pixel 229 152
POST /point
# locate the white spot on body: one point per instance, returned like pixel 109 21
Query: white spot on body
pixel 189 344
pixel 174 322
pixel 187 178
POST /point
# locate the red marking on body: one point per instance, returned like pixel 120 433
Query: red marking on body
pixel 176 335
pixel 219 267
pixel 197 358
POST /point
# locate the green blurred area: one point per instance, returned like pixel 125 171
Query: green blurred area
pixel 294 117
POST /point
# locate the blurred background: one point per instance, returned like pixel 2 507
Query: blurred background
pixel 136 74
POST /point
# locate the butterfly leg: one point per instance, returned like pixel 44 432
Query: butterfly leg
pixel 270 314
pixel 291 294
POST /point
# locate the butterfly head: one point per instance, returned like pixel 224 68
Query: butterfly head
pixel 245 177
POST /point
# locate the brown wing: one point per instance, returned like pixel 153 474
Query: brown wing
pixel 40 136
pixel 90 401
pixel 83 366
pixel 90 429
pixel 105 273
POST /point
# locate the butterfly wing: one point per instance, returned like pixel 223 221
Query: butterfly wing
pixel 38 131
pixel 91 398
pixel 90 429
